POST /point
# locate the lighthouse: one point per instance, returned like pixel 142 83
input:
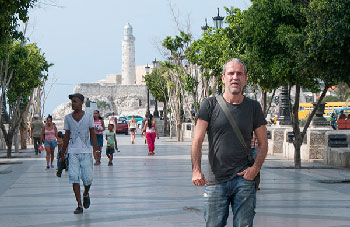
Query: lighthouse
pixel 128 56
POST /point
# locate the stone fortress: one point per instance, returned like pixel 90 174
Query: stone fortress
pixel 124 93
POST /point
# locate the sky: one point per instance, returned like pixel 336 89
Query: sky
pixel 82 38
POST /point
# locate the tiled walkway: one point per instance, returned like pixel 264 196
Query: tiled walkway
pixel 157 191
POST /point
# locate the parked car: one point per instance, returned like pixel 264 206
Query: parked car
pixel 122 119
pixel 122 126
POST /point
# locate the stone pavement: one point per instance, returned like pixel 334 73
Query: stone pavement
pixel 157 191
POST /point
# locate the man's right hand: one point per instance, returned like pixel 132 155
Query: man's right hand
pixel 198 178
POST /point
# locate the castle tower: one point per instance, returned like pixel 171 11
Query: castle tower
pixel 128 56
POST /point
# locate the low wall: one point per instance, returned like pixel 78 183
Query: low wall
pixel 188 130
pixel 277 138
pixel 337 156
pixel 312 148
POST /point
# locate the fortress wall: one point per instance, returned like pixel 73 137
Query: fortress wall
pixel 126 98
pixel 95 89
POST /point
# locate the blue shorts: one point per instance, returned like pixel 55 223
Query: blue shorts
pixel 110 150
pixel 52 143
pixel 99 140
pixel 80 167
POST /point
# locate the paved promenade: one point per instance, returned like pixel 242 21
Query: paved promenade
pixel 157 191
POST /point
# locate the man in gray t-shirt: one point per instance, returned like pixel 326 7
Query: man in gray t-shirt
pixel 36 128
pixel 79 129
pixel 230 179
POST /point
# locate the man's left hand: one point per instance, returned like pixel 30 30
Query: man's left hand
pixel 249 173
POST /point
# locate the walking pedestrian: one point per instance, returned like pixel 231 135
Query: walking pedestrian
pixel 333 121
pixel 132 128
pixel 79 129
pixel 151 133
pixel 61 165
pixel 111 144
pixel 143 134
pixel 36 126
pixel 99 129
pixel 230 178
pixel 49 136
pixel 112 119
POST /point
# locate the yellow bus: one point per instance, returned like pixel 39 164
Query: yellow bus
pixel 306 108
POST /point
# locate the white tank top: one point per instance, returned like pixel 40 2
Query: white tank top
pixel 150 129
pixel 132 124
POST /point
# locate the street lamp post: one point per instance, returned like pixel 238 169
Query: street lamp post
pixel 147 69
pixel 156 112
pixel 218 20
pixel 205 27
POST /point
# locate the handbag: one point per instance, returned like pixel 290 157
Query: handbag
pixel 41 148
pixel 235 128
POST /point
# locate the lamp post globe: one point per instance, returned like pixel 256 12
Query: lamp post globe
pixel 218 20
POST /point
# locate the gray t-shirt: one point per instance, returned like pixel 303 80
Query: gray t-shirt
pixel 227 156
pixel 79 141
pixel 37 126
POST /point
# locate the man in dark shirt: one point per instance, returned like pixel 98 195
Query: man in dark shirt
pixel 230 179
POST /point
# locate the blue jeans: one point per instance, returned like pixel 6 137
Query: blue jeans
pixel 238 192
pixel 52 143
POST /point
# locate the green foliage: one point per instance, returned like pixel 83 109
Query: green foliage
pixel 208 53
pixel 157 83
pixel 273 33
pixel 29 67
pixel 102 104
pixel 177 46
pixel 328 39
pixel 190 83
pixel 332 99
pixel 11 11
pixel 216 47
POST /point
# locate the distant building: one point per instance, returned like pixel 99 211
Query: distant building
pixel 128 56
pixel 124 93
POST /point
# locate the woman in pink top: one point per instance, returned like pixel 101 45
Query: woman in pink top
pixel 48 136
pixel 151 133
pixel 99 129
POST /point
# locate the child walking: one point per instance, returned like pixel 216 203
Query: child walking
pixel 111 143
pixel 61 165
pixel 59 147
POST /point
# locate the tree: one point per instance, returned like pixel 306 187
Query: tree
pixel 215 48
pixel 157 85
pixel 29 67
pixel 327 40
pixel 12 11
pixel 176 72
pixel 273 33
pixel 292 43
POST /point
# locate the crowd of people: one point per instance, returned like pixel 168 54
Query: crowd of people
pixel 45 136
pixel 231 120
pixel 82 142
pixel 335 119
